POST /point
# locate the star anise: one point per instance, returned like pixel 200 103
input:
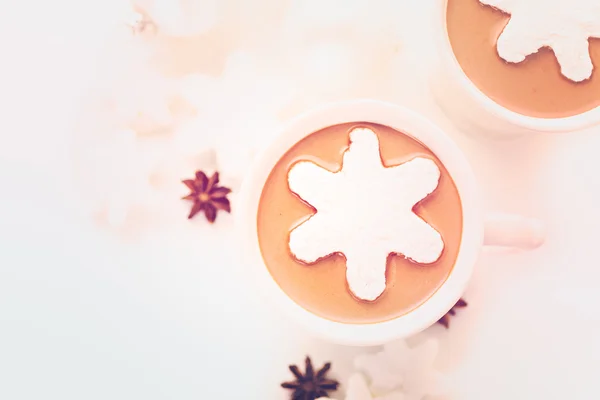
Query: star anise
pixel 311 385
pixel 207 195
pixel 445 320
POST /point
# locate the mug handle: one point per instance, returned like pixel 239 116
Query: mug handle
pixel 510 230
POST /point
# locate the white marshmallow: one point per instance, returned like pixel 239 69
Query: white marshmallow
pixel 564 26
pixel 401 369
pixel 358 389
pixel 365 212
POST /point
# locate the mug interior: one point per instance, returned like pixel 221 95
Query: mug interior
pixel 411 124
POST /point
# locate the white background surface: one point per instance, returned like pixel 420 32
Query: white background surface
pixel 85 314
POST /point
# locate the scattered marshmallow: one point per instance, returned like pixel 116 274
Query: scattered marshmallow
pixel 380 201
pixel 397 372
pixel 564 27
pixel 399 368
pixel 357 388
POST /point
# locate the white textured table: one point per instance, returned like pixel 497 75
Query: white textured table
pixel 87 315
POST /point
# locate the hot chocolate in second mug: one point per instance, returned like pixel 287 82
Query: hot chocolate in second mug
pixel 362 222
pixel 513 68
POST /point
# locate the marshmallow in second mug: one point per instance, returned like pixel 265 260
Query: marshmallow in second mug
pixel 362 222
pixel 511 67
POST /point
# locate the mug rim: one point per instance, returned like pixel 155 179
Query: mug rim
pixel 551 125
pixel 411 124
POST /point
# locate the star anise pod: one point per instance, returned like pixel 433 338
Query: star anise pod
pixel 445 320
pixel 311 385
pixel 207 195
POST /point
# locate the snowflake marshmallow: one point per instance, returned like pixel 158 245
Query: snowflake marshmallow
pixel 564 26
pixel 365 211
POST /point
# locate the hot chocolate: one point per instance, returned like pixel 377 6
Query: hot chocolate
pixel 556 81
pixel 322 264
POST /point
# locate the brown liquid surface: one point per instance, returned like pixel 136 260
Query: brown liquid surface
pixel 321 288
pixel 534 87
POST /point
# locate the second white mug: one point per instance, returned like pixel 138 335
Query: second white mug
pixel 471 109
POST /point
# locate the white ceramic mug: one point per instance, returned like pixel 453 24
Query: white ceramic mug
pixel 474 112
pixel 477 230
